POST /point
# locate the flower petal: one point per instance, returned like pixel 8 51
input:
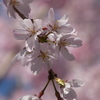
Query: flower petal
pixel 48 64
pixel 29 43
pixel 65 29
pixel 63 21
pixel 26 24
pixel 23 51
pixel 67 85
pixel 5 2
pixel 24 9
pixel 57 52
pixel 24 60
pixel 65 17
pixel 36 67
pixel 66 54
pixel 76 83
pixel 21 34
pixel 11 12
pixel 51 15
pixel 29 97
pixel 75 42
pixel 64 37
pixel 19 56
pixel 27 1
pixel 16 58
pixel 38 23
pixel 71 95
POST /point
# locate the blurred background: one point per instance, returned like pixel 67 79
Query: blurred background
pixel 84 16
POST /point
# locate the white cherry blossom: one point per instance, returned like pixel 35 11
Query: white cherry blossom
pixel 42 57
pixel 67 92
pixel 42 44
pixel 67 41
pixel 76 83
pixel 20 5
pixel 29 32
pixel 29 97
pixel 59 26
pixel 49 39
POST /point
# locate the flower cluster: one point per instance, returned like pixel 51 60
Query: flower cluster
pixel 45 40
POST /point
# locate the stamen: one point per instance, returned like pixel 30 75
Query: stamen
pixel 55 27
pixel 44 55
pixel 14 2
pixel 63 43
pixel 32 31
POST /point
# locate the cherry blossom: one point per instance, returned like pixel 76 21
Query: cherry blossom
pixel 67 92
pixel 29 97
pixel 29 32
pixel 42 45
pixel 42 57
pixel 68 40
pixel 44 41
pixel 20 5
pixel 59 26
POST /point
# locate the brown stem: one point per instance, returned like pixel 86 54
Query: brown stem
pixel 19 13
pixel 56 92
pixel 42 92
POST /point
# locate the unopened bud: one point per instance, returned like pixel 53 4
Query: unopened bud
pixel 60 81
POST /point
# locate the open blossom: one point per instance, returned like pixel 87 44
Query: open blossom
pixel 29 97
pixel 59 26
pixel 67 92
pixel 68 40
pixel 42 57
pixel 20 5
pixel 29 32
